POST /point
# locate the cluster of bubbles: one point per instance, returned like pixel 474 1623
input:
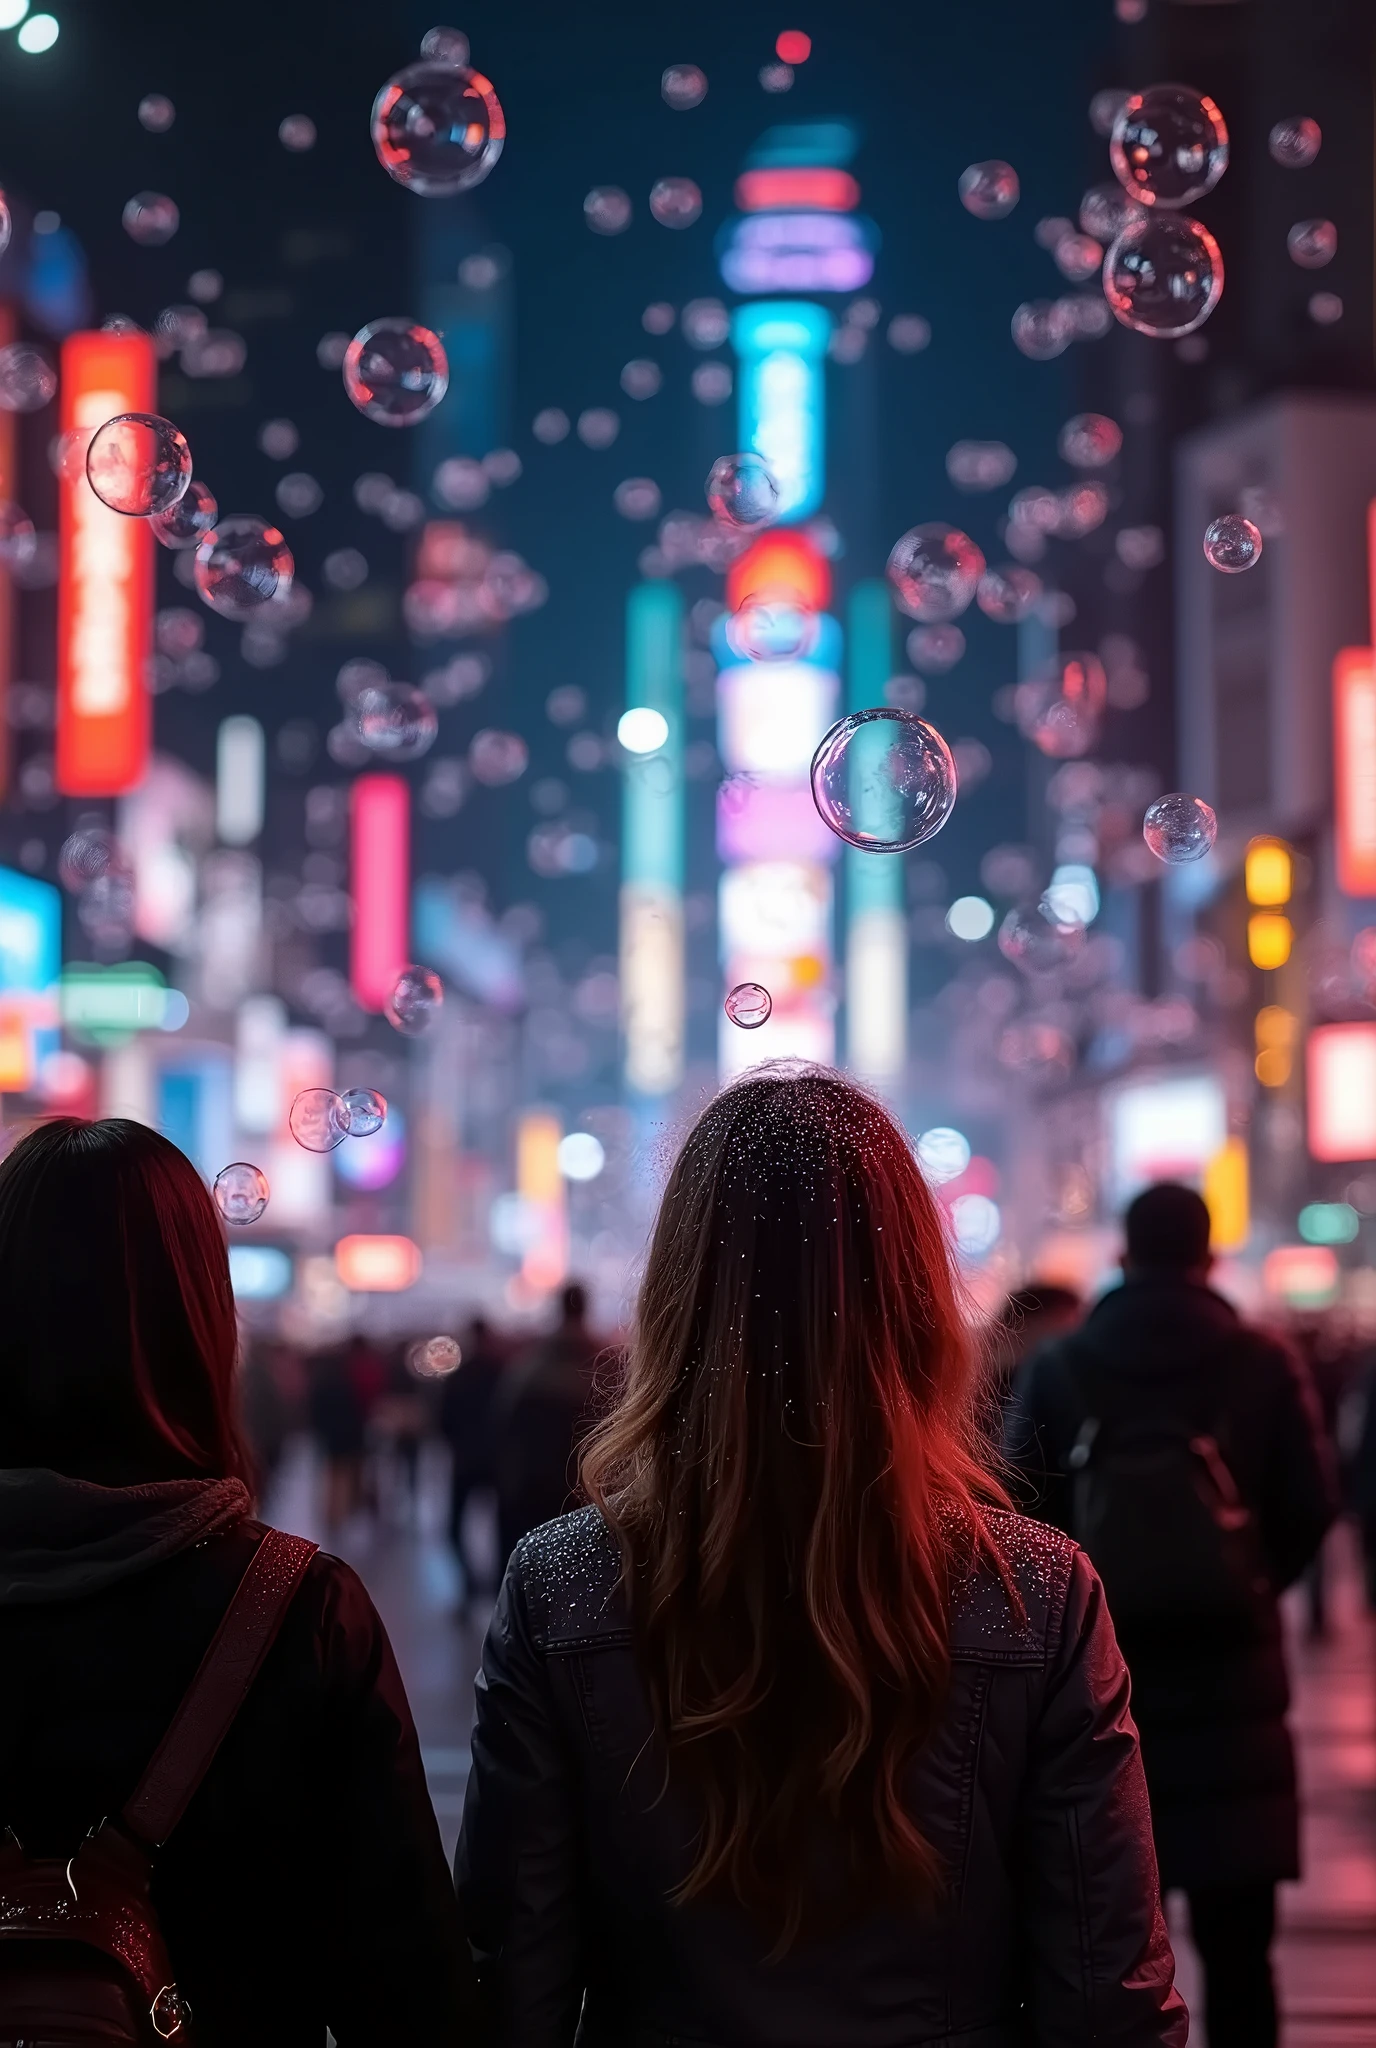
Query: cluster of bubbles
pixel 883 780
pixel 320 1120
pixel 1179 828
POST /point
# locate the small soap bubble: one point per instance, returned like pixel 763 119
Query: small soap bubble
pixel 637 497
pixel 1105 108
pixel 607 210
pixel 675 202
pixel 772 629
pixel 1232 544
pixel 705 323
pixel 445 46
pixel 298 495
pixel 433 1358
pixel 743 492
pixel 437 128
pixel 1042 329
pixel 1169 145
pixel 1089 440
pixel 1164 275
pixel 1325 308
pixel 18 541
pixel 365 1111
pixel 85 855
pixel 205 286
pixel 1106 210
pixel 1008 594
pixel 397 720
pixel 395 371
pixel 318 1120
pixel 1039 938
pixel 909 333
pixel 241 565
pixel 598 426
pixel 1312 243
pixel 497 757
pixel 640 378
pixel 297 133
pixel 935 649
pixel 1179 828
pixel 683 86
pixel 883 780
pixel 1078 257
pixel 241 1192
pixel 934 570
pixel 415 1000
pixel 711 383
pixel 989 190
pixel 748 1005
pixel 156 113
pixel 980 465
pixel 1295 142
pixel 185 524
pixel 138 464
pixel 28 380
pixel 151 218
pixel 278 439
pixel 776 77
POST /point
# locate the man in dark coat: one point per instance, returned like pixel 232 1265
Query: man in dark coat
pixel 466 1404
pixel 1210 1703
pixel 538 1417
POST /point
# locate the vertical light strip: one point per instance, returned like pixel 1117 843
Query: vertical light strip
pixel 1354 769
pixel 379 883
pixel 9 488
pixel 239 777
pixel 652 831
pixel 105 582
pixel 876 927
pixel 540 1185
pixel 781 345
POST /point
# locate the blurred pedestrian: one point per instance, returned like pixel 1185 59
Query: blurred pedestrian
pixel 1186 1452
pixel 1028 1317
pixel 265 1403
pixel 466 1403
pixel 338 1424
pixel 540 1408
pixel 793 1737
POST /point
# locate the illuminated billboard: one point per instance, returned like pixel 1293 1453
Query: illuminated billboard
pixel 379 885
pixel 30 963
pixel 1354 769
pixel 1167 1128
pixel 782 347
pixel 1342 1091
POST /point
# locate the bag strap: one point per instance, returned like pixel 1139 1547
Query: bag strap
pixel 219 1688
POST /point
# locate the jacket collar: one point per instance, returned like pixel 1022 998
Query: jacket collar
pixel 62 1538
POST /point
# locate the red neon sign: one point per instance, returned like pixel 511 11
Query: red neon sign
pixel 380 884
pixel 105 583
pixel 783 185
pixel 1354 769
pixel 783 564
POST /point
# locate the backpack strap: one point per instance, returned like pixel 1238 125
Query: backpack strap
pixel 219 1688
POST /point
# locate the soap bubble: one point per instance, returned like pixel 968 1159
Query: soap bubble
pixel 1179 828
pixel 1232 544
pixel 85 855
pixel 151 218
pixel 935 649
pixel 415 1001
pixel 980 465
pixel 1295 142
pixel 771 629
pixel 1163 275
pixel 318 1120
pixel 1325 308
pixel 156 113
pixel 1169 146
pixel 185 524
pixel 434 1358
pixel 297 133
pixel 395 371
pixel 637 497
pixel 749 1005
pixel 705 322
pixel 397 720
pixel 883 780
pixel 138 464
pixel 365 1111
pixel 909 333
pixel 241 1192
pixel 935 571
pixel 1089 440
pixel 497 757
pixel 1041 329
pixel 640 378
pixel 445 46
pixel 1105 108
pixel 683 86
pixel 742 491
pixel 607 210
pixel 437 128
pixel 1008 594
pixel 242 564
pixel 18 541
pixel 598 426
pixel 1038 938
pixel 675 202
pixel 1106 210
pixel 1312 243
pixel 28 380
pixel 711 383
pixel 1078 257
pixel 989 190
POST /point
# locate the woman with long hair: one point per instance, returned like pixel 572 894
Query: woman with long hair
pixel 210 1784
pixel 796 1735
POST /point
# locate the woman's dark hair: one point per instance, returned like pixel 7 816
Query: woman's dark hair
pixel 118 1335
pixel 792 1472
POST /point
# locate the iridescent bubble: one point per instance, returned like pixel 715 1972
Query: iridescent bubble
pixel 156 113
pixel 711 383
pixel 935 649
pixel 445 46
pixel 771 629
pixel 365 1111
pixel 218 353
pixel 980 465
pixel 434 1358
pixel 1325 308
pixel 28 380
pixel 395 371
pixel 298 495
pixel 640 378
pixel 139 464
pixel 1179 828
pixel 151 218
pixel 705 322
pixel 395 719
pixel 1106 210
pixel 1164 275
pixel 935 571
pixel 1089 319
pixel 415 1001
pixel 318 1120
pixel 205 286
pixel 883 780
pixel 18 541
pixel 186 523
pixel 989 190
pixel 242 564
pixel 241 1192
pixel 1038 939
pixel 279 439
pixel 1169 145
pixel 637 497
pixel 297 133
pixel 749 1005
pixel 1079 509
pixel 1232 544
pixel 1008 594
pixel 1105 108
pixel 497 757
pixel 1312 243
pixel 85 855
pixel 6 224
pixel 598 426
pixel 1295 142
pixel 675 202
pixel 683 86
pixel 1041 329
pixel 743 491
pixel 1089 440
pixel 437 128
pixel 1078 257
pixel 607 210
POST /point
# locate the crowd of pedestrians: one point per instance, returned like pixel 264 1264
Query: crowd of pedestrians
pixel 850 1678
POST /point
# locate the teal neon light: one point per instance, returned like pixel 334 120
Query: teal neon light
pixel 781 345
pixel 653 813
pixel 874 881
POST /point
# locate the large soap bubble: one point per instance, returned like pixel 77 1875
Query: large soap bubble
pixel 743 491
pixel 772 629
pixel 437 128
pixel 396 371
pixel 241 1192
pixel 883 780
pixel 1169 145
pixel 318 1120
pixel 241 565
pixel 935 571
pixel 1179 828
pixel 1163 275
pixel 138 463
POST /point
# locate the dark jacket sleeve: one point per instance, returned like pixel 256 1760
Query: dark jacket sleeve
pixel 1100 1966
pixel 397 1967
pixel 1299 1497
pixel 519 1853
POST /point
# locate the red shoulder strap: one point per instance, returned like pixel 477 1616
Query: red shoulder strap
pixel 220 1687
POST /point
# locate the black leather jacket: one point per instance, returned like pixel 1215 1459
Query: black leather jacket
pixel 1032 1791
